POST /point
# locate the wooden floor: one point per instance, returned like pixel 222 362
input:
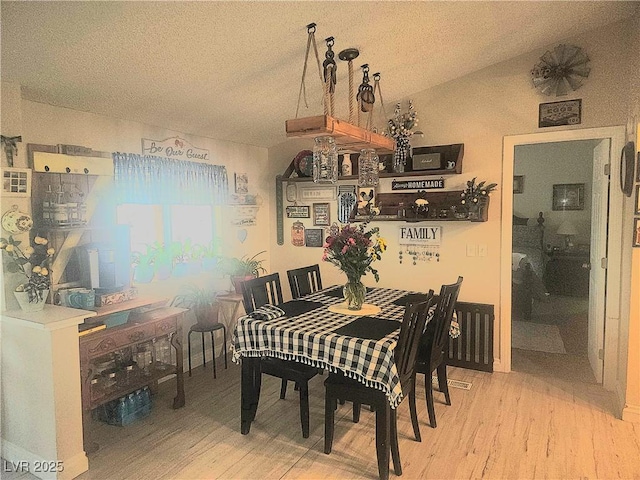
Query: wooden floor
pixel 512 426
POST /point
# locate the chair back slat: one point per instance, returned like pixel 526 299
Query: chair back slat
pixel 413 323
pixel 304 280
pixel 442 317
pixel 261 291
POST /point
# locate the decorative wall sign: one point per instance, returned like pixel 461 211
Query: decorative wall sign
pixel 321 216
pixel 292 192
pixel 174 147
pixel 554 114
pixel 244 216
pixel 298 211
pixel 314 237
pixel 518 183
pixel 568 196
pixel 317 193
pixel 417 184
pixel 346 202
pixel 636 232
pixel 430 235
pixel 241 183
pixel 637 210
pixel 297 234
pixel 16 182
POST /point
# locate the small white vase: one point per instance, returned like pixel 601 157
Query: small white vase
pixel 35 306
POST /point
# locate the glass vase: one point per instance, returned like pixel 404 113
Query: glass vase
pixel 368 168
pixel 325 160
pixel 354 292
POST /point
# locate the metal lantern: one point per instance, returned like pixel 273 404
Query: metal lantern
pixel 325 160
pixel 368 168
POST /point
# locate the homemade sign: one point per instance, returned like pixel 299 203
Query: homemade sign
pixel 419 235
pixel 417 184
pixel 174 147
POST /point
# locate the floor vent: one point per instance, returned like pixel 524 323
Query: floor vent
pixel 453 383
pixel 474 347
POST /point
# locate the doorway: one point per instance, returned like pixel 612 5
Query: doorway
pixel 555 199
pixel 608 349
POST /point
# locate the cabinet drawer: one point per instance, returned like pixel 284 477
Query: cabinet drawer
pixel 106 343
pixel 140 333
pixel 167 326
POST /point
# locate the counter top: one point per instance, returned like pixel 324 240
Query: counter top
pixel 52 317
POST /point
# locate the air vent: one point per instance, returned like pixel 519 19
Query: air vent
pixel 71 164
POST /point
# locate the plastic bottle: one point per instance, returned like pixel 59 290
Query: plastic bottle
pixel 347 168
pixel 130 410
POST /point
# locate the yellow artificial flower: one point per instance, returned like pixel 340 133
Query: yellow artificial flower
pixel 36 269
pixel 50 251
pixel 9 248
pixel 44 272
pixel 28 250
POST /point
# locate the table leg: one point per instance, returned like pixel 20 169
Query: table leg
pixel 383 415
pixel 176 342
pixel 250 392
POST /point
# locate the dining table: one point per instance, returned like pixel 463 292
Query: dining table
pixel 316 330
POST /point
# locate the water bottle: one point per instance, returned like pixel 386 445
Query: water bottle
pixel 130 410
pixel 120 412
pixel 146 400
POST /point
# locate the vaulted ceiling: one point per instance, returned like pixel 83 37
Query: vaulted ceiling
pixel 232 70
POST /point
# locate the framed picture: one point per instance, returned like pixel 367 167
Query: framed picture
pixel 366 200
pixel 242 183
pixel 16 182
pixel 321 214
pixel 314 237
pixel 637 209
pixel 298 211
pixel 568 196
pixel 636 232
pixel 638 167
pixel 554 114
pixel 518 183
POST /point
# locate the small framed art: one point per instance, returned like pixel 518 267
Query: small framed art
pixel 518 183
pixel 637 208
pixel 636 232
pixel 568 196
pixel 242 183
pixel 314 237
pixel 16 182
pixel 321 214
pixel 554 114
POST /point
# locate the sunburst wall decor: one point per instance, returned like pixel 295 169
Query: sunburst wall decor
pixel 560 71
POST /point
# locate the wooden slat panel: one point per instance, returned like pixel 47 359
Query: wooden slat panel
pixel 474 347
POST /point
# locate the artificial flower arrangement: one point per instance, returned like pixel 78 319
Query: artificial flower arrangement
pixel 400 127
pixel 353 250
pixel 32 261
pixel 475 192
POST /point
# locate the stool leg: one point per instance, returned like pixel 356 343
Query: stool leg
pixel 224 344
pixel 189 349
pixel 213 354
pixel 204 358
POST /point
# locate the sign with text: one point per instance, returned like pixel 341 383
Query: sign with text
pixel 417 184
pixel 419 235
pixel 174 147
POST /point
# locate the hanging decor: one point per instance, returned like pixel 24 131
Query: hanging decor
pixel 368 175
pixel 561 71
pixel 325 160
pixel 349 55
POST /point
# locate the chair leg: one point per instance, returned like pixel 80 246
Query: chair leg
pixel 329 412
pixel 189 350
pixel 213 354
pixel 395 450
pixel 304 409
pixel 204 358
pixel 428 388
pixel 414 412
pixel 224 345
pixel 283 389
pixel 442 382
pixel 383 414
pixel 356 412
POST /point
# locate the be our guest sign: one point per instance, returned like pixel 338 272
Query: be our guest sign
pixel 174 147
pixel 419 235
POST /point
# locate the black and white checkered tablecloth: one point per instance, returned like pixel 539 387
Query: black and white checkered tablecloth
pixel 308 338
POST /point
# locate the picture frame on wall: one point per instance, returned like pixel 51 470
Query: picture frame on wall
pixel 314 237
pixel 568 196
pixel 518 184
pixel 636 232
pixel 637 209
pixel 16 182
pixel 555 114
pixel 241 183
pixel 321 216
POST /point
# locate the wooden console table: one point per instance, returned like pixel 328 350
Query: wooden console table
pixel 98 347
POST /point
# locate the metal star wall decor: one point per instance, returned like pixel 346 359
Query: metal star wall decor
pixel 560 71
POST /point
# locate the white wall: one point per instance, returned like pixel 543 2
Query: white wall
pixel 479 110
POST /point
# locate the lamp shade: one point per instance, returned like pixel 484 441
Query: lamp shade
pixel 567 228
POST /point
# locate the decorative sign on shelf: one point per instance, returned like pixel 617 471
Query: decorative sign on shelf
pixel 417 184
pixel 174 147
pixel 298 211
pixel 419 235
pixel 317 193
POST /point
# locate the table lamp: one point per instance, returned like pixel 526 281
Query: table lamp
pixel 567 229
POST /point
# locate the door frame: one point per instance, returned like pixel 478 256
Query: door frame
pixel 614 251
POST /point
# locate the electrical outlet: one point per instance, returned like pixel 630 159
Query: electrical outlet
pixel 471 250
pixel 482 249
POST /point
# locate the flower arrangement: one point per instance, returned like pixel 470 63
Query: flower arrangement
pixel 475 192
pixel 32 261
pixel 400 127
pixel 354 249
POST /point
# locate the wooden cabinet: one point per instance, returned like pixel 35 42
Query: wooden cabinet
pixel 106 354
pixel 568 274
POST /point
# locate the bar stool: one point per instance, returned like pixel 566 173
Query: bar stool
pixel 203 328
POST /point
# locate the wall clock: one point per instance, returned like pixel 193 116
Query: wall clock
pixel 561 71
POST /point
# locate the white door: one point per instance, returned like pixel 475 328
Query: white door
pixel 597 275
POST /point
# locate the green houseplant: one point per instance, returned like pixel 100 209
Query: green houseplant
pixel 202 301
pixel 143 264
pixel 243 268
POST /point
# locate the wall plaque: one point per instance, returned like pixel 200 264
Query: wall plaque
pixel 314 237
pixel 417 184
pixel 419 235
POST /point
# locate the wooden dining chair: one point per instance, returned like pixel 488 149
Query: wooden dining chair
pixel 304 280
pixel 434 346
pixel 268 290
pixel 339 386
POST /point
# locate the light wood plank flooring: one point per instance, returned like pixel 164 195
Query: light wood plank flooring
pixel 512 426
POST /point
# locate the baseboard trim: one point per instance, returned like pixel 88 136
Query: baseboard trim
pixel 631 413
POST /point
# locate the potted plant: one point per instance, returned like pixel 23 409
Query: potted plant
pixel 243 268
pixel 143 265
pixel 211 255
pixel 187 256
pixel 202 301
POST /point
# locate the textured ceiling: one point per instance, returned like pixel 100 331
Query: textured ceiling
pixel 231 70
